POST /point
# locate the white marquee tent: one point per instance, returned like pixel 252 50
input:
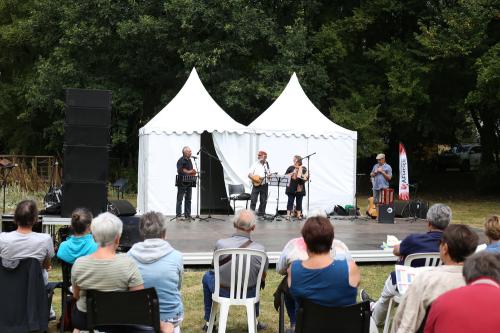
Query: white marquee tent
pixel 292 125
pixel 181 123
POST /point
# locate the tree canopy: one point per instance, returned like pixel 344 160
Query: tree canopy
pixel 414 71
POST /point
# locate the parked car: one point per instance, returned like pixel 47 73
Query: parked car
pixel 463 156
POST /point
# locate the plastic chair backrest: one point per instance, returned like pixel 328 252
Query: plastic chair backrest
pixel 241 260
pixel 116 308
pixel 313 318
pixel 428 259
pixel 236 189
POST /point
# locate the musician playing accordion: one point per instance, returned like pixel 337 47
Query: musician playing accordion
pixel 184 168
pixel 296 189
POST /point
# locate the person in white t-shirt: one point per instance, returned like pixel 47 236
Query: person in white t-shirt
pixel 23 243
pixel 258 174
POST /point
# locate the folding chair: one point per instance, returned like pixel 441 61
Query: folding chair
pixel 24 304
pixel 237 193
pixel 314 318
pixel 240 276
pixel 425 260
pixel 123 309
pixel 66 294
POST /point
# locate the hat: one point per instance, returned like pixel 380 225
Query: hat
pixel 380 156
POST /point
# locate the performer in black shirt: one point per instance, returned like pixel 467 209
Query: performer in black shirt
pixel 184 168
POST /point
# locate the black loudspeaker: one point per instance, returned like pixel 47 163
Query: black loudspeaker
pixel 90 195
pixel 86 163
pixel 130 233
pixel 86 150
pixel 419 209
pixel 401 208
pixel 121 208
pixel 385 213
pixel 86 135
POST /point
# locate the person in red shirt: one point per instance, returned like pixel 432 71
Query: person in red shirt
pixel 472 308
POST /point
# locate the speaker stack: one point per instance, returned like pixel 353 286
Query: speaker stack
pixel 86 150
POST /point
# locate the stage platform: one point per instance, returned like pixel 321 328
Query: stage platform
pixel 196 239
pixel 363 236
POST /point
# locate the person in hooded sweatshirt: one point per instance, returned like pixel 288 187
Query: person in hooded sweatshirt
pixel 161 267
pixel 81 243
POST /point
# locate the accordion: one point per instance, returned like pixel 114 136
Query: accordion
pixel 302 173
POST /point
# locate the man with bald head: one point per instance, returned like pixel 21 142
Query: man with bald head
pixel 244 223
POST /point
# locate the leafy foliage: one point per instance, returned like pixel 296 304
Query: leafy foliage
pixel 413 71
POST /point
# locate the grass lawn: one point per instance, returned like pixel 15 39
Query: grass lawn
pixel 373 277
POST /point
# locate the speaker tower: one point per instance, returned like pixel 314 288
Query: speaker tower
pixel 86 150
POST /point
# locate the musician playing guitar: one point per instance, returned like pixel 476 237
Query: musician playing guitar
pixel 259 173
pixel 184 168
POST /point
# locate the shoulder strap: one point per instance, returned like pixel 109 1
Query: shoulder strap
pixel 228 258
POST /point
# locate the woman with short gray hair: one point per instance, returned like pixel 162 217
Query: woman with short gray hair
pixel 104 270
pixel 161 267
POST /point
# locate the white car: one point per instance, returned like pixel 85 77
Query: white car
pixel 464 156
pixel 469 156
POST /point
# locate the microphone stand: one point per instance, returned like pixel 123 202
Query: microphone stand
pixel 308 179
pixel 197 187
pixel 210 158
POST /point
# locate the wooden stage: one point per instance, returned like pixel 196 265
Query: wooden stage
pixel 363 236
pixel 196 239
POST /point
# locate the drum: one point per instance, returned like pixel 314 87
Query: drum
pixel 386 196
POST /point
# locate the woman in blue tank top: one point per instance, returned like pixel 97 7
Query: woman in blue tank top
pixel 321 279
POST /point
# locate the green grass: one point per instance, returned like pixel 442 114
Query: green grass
pixel 373 277
pixel 471 211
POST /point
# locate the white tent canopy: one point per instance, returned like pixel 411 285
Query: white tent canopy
pixel 292 125
pixel 293 113
pixel 191 112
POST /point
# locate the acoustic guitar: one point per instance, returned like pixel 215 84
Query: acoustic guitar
pixel 257 180
pixel 372 209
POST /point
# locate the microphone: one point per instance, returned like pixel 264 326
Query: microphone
pixel 194 157
pixel 198 153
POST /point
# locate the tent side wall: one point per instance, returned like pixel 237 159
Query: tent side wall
pixel 158 155
pixel 333 167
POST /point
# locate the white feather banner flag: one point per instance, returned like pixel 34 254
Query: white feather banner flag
pixel 404 180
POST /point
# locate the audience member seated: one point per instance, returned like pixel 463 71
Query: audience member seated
pixel 103 270
pixel 492 231
pixel 320 278
pixel 296 249
pixel 438 218
pixel 458 242
pixel 81 243
pixel 244 223
pixel 23 242
pixel 161 267
pixel 471 308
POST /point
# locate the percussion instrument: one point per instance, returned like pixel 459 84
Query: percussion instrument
pixel 386 196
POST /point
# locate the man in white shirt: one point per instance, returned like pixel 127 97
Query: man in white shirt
pixel 258 174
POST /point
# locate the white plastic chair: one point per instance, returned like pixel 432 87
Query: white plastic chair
pixel 431 259
pixel 240 275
